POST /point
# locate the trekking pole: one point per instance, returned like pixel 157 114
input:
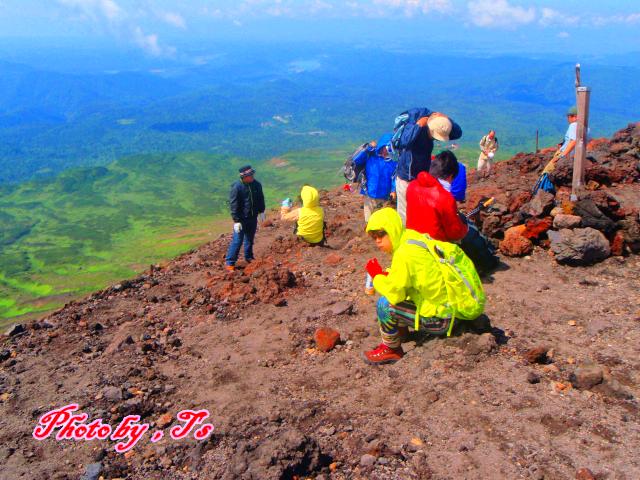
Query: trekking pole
pixel 484 204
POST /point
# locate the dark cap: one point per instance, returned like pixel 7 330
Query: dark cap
pixel 573 111
pixel 246 171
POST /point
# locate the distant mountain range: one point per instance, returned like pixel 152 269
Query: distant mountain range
pixel 228 104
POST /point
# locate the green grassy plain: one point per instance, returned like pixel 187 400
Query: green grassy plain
pixel 64 237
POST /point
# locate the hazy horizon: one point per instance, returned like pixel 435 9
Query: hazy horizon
pixel 172 31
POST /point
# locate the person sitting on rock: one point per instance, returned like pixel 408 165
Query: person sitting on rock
pixel 431 208
pixel 419 289
pixel 380 174
pixel 309 218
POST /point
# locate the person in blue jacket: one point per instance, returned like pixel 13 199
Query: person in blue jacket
pixel 380 172
pixel 415 132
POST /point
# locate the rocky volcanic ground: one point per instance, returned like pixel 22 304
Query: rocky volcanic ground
pixel 545 387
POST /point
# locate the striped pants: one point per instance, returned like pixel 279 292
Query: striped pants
pixel 391 317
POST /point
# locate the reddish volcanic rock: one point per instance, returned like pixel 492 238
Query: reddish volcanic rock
pixel 617 244
pixel 520 199
pixel 332 259
pixel 326 339
pixel 514 244
pixel 535 227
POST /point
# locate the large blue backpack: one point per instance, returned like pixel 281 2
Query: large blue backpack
pixel 401 121
pixel 355 173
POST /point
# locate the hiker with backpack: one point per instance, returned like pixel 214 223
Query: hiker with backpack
pixel 429 285
pixel 309 218
pixel 432 210
pixel 378 184
pixel 488 148
pixel 414 134
pixel 246 202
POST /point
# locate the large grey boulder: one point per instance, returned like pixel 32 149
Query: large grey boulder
pixel 581 246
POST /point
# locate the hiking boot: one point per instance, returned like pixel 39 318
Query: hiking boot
pixel 383 354
pixel 230 268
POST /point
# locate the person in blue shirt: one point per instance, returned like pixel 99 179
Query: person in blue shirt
pixel 414 141
pixel 459 184
pixel 380 170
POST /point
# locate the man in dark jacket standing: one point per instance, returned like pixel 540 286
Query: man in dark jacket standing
pixel 414 138
pixel 246 201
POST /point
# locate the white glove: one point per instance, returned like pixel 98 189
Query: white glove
pixel 491 155
pixel 237 227
pixel 262 217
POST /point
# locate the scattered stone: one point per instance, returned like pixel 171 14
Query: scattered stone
pixel 563 220
pixel 328 431
pixel 326 339
pixel 581 246
pixel 164 420
pixel 367 460
pixel 585 474
pixel 341 308
pixel 96 327
pixel 537 355
pixel 14 330
pixel 586 376
pixel 112 394
pixel 533 378
pixel 333 259
pixel 92 472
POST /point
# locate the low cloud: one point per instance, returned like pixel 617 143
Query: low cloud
pixel 411 8
pixel 124 24
pixel 107 9
pixel 499 13
pixel 549 16
pixel 149 43
pixel 173 19
pixel 628 19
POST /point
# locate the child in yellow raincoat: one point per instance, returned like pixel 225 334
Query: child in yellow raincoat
pixel 429 285
pixel 309 218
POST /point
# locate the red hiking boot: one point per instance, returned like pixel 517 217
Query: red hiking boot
pixel 383 354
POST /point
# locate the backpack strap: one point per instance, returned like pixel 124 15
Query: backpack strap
pixel 442 261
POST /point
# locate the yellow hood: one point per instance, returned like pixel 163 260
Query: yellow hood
pixel 311 216
pixel 387 219
pixel 310 197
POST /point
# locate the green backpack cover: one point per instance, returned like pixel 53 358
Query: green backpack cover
pixel 466 298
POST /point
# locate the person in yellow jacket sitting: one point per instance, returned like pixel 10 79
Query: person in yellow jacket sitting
pixel 309 218
pixel 429 285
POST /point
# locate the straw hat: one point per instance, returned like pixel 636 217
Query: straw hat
pixel 440 128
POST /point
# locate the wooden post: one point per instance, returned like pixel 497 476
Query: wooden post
pixel 583 95
pixel 537 141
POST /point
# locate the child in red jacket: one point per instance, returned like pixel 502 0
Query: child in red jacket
pixel 431 209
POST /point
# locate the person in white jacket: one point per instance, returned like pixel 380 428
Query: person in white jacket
pixel 488 149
